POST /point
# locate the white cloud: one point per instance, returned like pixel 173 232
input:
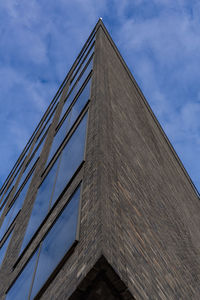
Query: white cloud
pixel 159 40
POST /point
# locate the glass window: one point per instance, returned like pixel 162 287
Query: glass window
pixel 70 120
pixel 56 243
pixel 81 66
pixel 52 249
pixel 82 55
pixel 75 88
pixel 45 126
pixel 41 205
pixel 72 156
pixel 21 287
pixel 57 179
pixel 7 193
pixel 14 209
pixel 4 248
pixel 82 76
pixel 32 161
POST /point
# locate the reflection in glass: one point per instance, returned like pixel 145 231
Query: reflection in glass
pixel 15 208
pixel 56 180
pixel 31 163
pixel 14 176
pixel 68 102
pixel 21 287
pixel 58 240
pixel 75 88
pixel 84 54
pixel 72 156
pixel 7 193
pixel 59 137
pixel 4 248
pixel 81 67
pixel 84 75
pixel 80 103
pixel 41 205
pixel 70 120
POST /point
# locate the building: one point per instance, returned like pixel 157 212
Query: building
pixel 98 205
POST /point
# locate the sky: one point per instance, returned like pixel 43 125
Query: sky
pixel 159 40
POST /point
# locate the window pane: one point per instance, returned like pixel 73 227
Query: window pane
pixel 75 89
pixel 41 205
pixel 21 287
pixel 45 126
pixel 57 242
pixel 70 120
pixel 80 103
pixel 15 208
pixel 85 75
pixel 72 156
pixel 81 66
pixel 31 163
pixel 14 174
pixel 9 189
pixel 83 55
pixel 59 137
pixel 4 248
pixel 14 180
pixel 69 160
pixel 68 102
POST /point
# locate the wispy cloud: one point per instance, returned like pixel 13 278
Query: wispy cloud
pixel 159 39
pixel 161 45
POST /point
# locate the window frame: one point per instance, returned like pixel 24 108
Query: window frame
pixel 13 201
pixel 44 175
pixel 78 184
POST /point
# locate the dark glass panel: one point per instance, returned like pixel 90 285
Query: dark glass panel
pixel 59 137
pixel 4 248
pixel 75 89
pixel 78 72
pixel 56 243
pixel 21 287
pixel 15 208
pixel 84 75
pixel 83 55
pixel 68 102
pixel 77 85
pixel 72 156
pixel 69 160
pixel 45 126
pixel 70 120
pixel 41 205
pixel 7 193
pixel 80 103
pixel 31 162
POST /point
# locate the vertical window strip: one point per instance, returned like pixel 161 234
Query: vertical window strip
pixel 13 181
pixel 82 77
pixel 15 208
pixel 56 180
pixel 53 248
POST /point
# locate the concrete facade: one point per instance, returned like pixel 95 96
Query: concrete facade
pixel 139 233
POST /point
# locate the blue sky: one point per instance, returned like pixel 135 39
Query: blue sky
pixel 159 40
